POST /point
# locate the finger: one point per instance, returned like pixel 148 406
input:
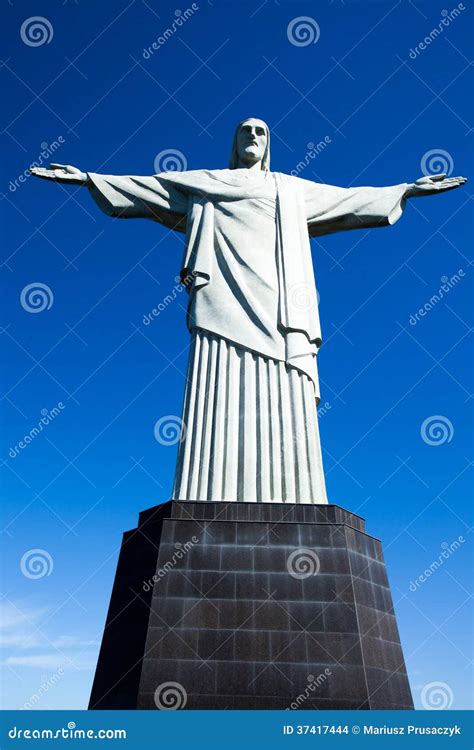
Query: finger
pixel 438 177
pixel 450 186
pixel 46 175
pixel 58 166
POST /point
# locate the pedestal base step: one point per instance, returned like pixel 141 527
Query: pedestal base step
pixel 250 606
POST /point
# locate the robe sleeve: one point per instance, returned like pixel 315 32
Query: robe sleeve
pixel 333 209
pixel 150 197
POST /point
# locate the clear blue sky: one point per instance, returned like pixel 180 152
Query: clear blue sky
pixel 83 480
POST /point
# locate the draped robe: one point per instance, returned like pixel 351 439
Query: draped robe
pixel 250 420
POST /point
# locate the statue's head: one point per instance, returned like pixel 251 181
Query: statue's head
pixel 251 144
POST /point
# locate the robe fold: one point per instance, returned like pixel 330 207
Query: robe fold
pixel 248 262
pixel 222 247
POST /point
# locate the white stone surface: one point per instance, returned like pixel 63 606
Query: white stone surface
pixel 251 433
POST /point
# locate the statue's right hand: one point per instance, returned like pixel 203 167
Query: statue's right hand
pixel 61 173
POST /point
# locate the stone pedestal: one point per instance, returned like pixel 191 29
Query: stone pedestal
pixel 250 606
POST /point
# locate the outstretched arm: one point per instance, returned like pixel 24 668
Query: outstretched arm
pixel 333 209
pixel 126 197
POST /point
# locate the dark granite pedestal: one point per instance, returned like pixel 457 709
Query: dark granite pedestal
pixel 250 606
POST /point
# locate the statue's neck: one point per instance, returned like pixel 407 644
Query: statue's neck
pixel 255 167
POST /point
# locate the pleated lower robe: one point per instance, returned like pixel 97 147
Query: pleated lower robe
pixel 250 428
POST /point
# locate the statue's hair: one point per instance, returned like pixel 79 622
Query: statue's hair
pixel 234 157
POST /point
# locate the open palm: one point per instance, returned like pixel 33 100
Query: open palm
pixel 60 173
pixel 436 183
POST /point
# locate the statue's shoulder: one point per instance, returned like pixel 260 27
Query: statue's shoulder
pixel 177 174
pixel 301 181
pixel 293 182
pixel 192 180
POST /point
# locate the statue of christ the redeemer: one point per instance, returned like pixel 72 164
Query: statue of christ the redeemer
pixel 250 425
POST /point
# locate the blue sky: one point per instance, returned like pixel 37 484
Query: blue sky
pixel 382 103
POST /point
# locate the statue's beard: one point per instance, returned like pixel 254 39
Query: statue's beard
pixel 252 153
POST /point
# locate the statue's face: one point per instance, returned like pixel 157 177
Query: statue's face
pixel 251 141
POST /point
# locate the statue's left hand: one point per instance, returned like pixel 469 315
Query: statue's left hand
pixel 432 184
